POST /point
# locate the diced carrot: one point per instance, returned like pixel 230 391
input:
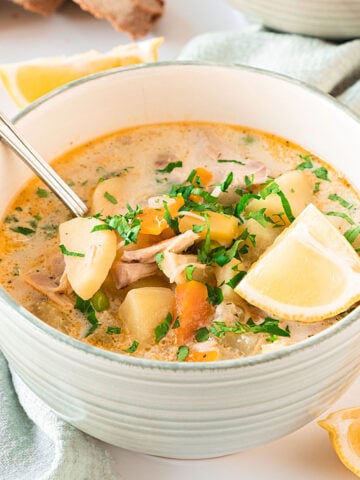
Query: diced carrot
pixel 152 219
pixel 192 309
pixel 205 177
pixel 207 356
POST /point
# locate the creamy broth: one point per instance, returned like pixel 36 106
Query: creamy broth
pixel 129 167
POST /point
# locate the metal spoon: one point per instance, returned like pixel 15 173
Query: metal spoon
pixel 42 169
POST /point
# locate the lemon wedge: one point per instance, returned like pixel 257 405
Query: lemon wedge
pixel 311 272
pixel 344 431
pixel 27 81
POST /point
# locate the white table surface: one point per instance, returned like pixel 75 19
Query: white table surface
pixel 303 455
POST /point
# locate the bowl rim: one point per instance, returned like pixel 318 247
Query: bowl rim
pixel 242 362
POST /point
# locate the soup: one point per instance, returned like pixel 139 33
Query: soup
pixel 178 214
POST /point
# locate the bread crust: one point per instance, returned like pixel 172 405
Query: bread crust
pixel 42 7
pixel 135 17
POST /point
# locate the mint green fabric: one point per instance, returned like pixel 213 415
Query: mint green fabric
pixel 335 69
pixel 34 443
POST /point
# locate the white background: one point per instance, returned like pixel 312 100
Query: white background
pixel 303 455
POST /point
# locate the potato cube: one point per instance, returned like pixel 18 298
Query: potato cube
pixel 144 309
pixel 223 228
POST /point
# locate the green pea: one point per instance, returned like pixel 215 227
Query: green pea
pixel 100 301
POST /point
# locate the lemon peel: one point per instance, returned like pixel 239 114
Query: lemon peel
pixel 311 272
pixel 27 81
pixel 344 432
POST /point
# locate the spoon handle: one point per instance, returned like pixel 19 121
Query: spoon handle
pixel 43 170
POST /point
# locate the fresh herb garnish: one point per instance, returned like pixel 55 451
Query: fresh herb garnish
pixel 172 222
pixel 227 182
pixel 260 217
pixel 341 215
pixel 113 330
pixel 249 180
pixel 235 280
pixel 215 295
pixel 162 329
pixel 202 334
pixel 87 309
pixel 133 347
pixel 307 163
pixel 111 199
pixel 23 230
pixel 198 228
pixel 336 198
pixel 269 325
pixel 352 234
pixel 322 173
pixel 65 251
pixel 182 353
pixel 223 160
pixel 170 167
pixel 42 193
pixel 159 257
pixel 316 187
pixel 176 324
pixel 11 219
pixel 127 225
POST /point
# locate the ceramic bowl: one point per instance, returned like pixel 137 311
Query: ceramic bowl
pixel 334 19
pixel 182 410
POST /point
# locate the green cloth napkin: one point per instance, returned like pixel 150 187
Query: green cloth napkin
pixel 34 443
pixel 335 69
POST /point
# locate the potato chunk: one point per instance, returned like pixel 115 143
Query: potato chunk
pixel 296 187
pixel 87 273
pixel 144 309
pixel 223 228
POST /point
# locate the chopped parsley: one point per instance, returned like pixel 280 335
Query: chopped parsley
pixel 352 234
pixel 170 167
pixel 127 225
pixel 202 334
pixel 227 182
pixel 172 222
pixel 336 198
pixel 110 198
pixel 65 251
pixel 113 330
pixel 162 329
pixel 42 193
pixel 223 160
pixel 159 257
pixel 307 163
pixel 235 280
pixel 133 347
pixel 269 325
pixel 215 295
pixel 87 309
pixel 182 353
pixel 341 215
pixel 322 173
pixel 316 187
pixel 23 230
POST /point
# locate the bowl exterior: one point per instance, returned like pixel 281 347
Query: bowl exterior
pixel 182 410
pixel 332 19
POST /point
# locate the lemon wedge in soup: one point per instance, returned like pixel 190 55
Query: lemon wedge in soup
pixel 29 80
pixel 344 431
pixel 88 254
pixel 311 272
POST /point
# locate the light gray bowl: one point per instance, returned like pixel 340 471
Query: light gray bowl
pixel 333 19
pixel 182 410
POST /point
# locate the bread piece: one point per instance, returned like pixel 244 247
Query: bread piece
pixel 135 17
pixel 43 7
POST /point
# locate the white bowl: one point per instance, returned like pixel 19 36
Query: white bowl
pixel 336 19
pixel 182 410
